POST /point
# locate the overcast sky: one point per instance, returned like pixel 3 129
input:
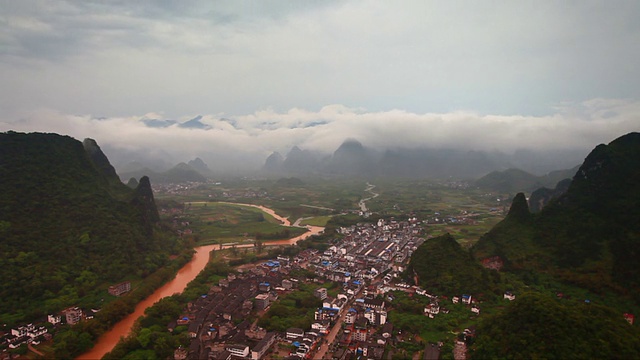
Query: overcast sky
pixel 477 74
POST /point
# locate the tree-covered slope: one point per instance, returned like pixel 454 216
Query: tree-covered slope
pixel 538 326
pixel 442 266
pixel 67 229
pixel 510 180
pixel 511 239
pixel 590 235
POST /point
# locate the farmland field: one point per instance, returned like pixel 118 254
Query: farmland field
pixel 445 206
pixel 215 222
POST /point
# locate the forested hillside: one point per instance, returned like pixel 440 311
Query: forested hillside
pixel 588 236
pixel 442 267
pixel 68 228
pixel 539 326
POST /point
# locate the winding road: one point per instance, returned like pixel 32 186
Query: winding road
pixel 369 189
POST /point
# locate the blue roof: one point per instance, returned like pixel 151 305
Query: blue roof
pixel 296 344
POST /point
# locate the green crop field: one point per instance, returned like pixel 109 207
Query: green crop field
pixel 227 223
pixel 316 221
pixel 464 212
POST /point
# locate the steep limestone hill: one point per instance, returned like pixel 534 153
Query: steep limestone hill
pixel 543 196
pixel 588 236
pixel 67 229
pixel 441 266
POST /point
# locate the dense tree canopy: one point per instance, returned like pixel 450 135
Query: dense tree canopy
pixel 68 228
pixel 442 267
pixel 541 326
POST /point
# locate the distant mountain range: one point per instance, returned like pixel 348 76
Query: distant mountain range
pixel 194 171
pixel 194 123
pixel 353 159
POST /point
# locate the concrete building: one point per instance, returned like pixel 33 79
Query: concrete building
pixel 261 302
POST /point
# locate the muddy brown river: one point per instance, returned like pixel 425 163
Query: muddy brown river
pixel 188 272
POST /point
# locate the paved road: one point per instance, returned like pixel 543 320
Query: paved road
pixel 337 328
pixel 332 335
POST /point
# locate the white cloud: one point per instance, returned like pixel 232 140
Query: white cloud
pixel 578 126
pixel 505 57
pixel 462 74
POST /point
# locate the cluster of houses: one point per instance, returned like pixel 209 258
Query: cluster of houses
pixel 217 325
pixel 217 321
pixel 364 324
pixel 463 218
pixel 368 250
pixel 26 334
pixel 365 252
pixel 35 333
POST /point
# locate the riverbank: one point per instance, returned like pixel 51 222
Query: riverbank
pixel 186 274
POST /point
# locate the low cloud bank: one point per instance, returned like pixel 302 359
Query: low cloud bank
pixel 227 140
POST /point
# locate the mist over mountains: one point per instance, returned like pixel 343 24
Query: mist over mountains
pixel 353 159
pixel 395 141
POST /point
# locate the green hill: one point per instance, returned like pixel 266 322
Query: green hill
pixel 516 180
pixel 537 326
pixel 68 227
pixel 441 266
pixel 590 235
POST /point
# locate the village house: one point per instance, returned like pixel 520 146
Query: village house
pixel 261 348
pixel 374 303
pixel 119 289
pixel 466 299
pixel 54 319
pixel 321 326
pixel 629 317
pixel 432 310
pixel 73 315
pixel 320 293
pixel 239 350
pixel 294 334
pixel 360 330
pixel 264 287
pixel 375 317
pixel 261 301
pixel 509 296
